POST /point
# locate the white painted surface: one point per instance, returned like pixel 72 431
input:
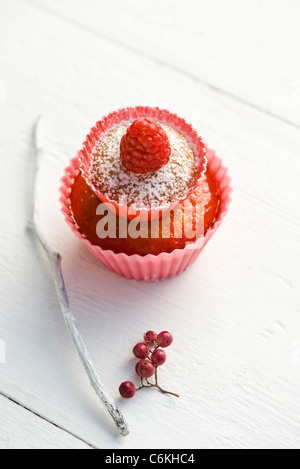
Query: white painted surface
pixel 235 314
pixel 246 49
pixel 21 429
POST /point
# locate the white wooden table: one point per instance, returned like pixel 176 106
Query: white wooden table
pixel 232 69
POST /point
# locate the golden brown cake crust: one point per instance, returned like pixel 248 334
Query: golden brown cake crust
pixel 84 204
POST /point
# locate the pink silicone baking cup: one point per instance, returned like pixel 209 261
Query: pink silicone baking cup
pixel 150 267
pixel 130 114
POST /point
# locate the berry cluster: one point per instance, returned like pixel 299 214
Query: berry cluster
pixel 151 355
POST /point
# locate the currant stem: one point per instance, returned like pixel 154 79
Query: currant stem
pixel 167 392
pixel 156 385
pixel 160 388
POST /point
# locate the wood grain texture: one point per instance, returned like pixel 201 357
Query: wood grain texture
pixel 234 315
pixel 245 49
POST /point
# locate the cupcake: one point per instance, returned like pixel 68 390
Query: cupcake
pixel 145 193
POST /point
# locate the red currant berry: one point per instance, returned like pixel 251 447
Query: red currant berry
pixel 145 368
pixel 158 357
pixel 150 336
pixel 141 350
pixel 127 389
pixel 164 339
pixel 137 368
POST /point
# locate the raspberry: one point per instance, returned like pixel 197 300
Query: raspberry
pixel 145 147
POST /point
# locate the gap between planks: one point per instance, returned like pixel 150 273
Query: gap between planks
pixel 18 403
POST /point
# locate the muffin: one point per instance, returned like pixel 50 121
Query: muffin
pixel 145 194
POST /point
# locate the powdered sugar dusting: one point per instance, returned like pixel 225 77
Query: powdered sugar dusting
pixel 156 189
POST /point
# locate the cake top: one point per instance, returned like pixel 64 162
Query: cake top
pixel 155 189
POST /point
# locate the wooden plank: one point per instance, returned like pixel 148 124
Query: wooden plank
pixel 245 49
pixel 234 314
pixel 21 429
